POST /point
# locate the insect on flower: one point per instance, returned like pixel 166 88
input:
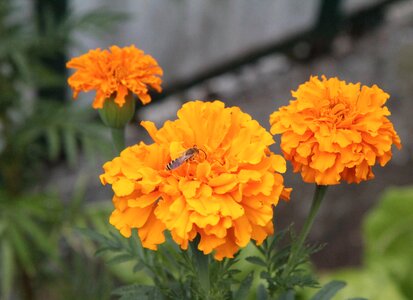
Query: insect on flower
pixel 186 156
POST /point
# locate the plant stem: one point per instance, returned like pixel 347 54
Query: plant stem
pixel 202 265
pixel 319 193
pixel 118 137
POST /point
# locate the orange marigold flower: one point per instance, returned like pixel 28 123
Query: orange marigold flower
pixel 208 173
pixel 335 131
pixel 115 73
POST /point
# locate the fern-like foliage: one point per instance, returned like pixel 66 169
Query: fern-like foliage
pixel 282 274
pixel 173 271
pixel 35 135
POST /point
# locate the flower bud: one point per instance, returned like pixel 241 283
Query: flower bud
pixel 117 117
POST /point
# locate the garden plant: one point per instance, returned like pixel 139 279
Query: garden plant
pixel 187 204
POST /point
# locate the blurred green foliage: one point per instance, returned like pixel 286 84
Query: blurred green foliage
pixel 387 271
pixel 41 255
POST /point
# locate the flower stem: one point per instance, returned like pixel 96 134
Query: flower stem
pixel 319 193
pixel 118 137
pixel 202 264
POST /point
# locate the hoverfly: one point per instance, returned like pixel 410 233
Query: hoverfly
pixel 186 156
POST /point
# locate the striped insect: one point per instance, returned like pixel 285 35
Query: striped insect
pixel 188 155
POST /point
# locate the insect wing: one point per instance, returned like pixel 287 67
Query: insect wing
pixel 176 163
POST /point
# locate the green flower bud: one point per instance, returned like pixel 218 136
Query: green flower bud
pixel 117 117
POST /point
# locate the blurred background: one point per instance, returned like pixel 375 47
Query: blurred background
pixel 249 53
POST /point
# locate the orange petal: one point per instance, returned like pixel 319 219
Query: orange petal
pixel 123 187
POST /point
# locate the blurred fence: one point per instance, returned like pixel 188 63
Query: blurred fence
pixel 195 40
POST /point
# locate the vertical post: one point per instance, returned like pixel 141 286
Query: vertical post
pixel 327 26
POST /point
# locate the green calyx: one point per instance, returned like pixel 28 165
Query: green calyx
pixel 117 117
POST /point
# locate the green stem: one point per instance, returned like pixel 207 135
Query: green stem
pixel 118 137
pixel 319 193
pixel 202 265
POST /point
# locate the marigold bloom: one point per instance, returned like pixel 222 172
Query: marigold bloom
pixel 335 131
pixel 115 73
pixel 226 195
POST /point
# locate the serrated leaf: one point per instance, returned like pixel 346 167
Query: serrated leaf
pixel 329 290
pixel 121 258
pixel 115 235
pixel 263 248
pixel 93 235
pixel 256 260
pixel 279 236
pixel 245 286
pixel 138 267
pixel 133 242
pixel 265 275
pixel 280 255
pixel 233 272
pixel 101 251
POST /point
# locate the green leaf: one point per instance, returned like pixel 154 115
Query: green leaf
pixel 7 270
pixel 39 237
pixel 22 64
pixel 262 293
pixel 370 282
pixel 265 275
pixel 134 241
pixel 138 267
pixel 256 260
pixel 137 292
pixel 52 136
pixel 121 258
pixel 93 235
pixel 288 295
pixel 387 228
pixel 98 20
pixel 329 290
pixel 22 250
pixel 245 286
pixel 389 236
pixel 69 139
pixel 102 251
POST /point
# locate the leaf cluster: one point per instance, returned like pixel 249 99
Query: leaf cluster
pixel 34 129
pixel 37 243
pixel 37 132
pixel 173 271
pixel 287 274
pixel 387 267
pixel 281 273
